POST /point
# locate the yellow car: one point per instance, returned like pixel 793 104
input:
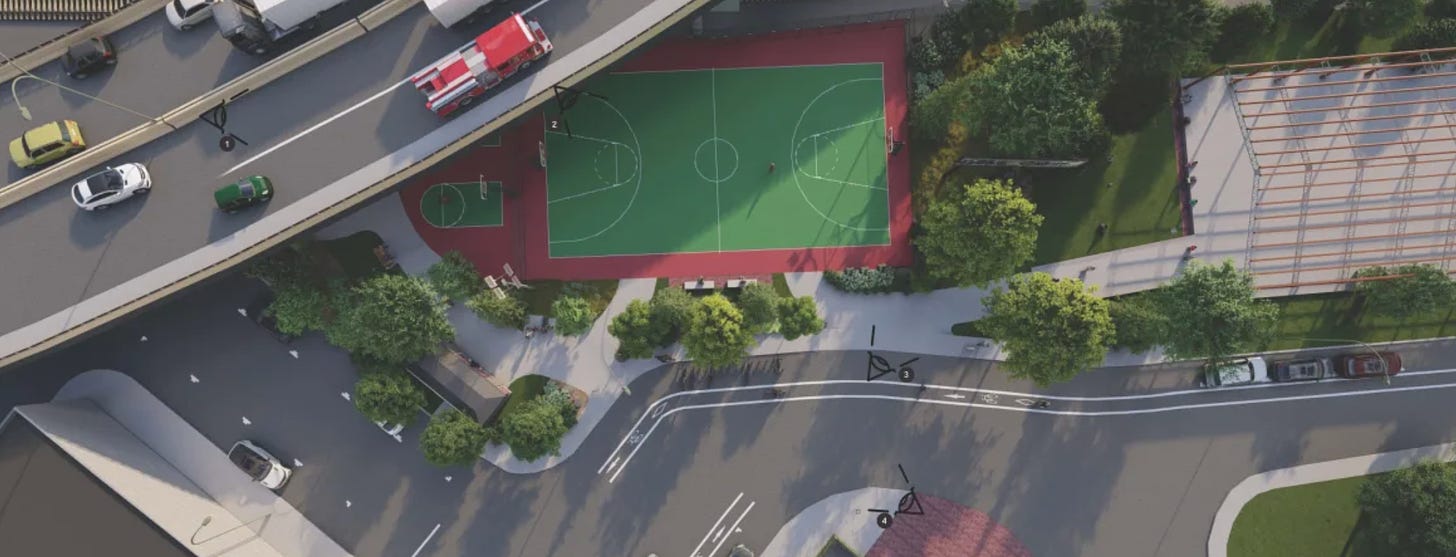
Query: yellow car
pixel 46 144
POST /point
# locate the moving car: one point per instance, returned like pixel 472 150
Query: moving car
pixel 47 143
pixel 259 465
pixel 111 185
pixel 88 57
pixel 243 194
pixel 1365 364
pixel 186 14
pixel 1313 369
pixel 1237 372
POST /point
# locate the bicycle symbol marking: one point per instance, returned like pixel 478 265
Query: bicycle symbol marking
pixel 989 398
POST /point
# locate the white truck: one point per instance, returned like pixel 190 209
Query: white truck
pixel 450 12
pixel 256 26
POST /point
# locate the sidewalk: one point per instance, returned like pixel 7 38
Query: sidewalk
pixel 1223 520
pixel 841 515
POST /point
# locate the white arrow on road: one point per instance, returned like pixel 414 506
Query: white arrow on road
pixel 293 353
pixel 955 396
pixel 194 378
pixel 345 394
pixel 348 503
pixel 448 478
pixel 144 338
pixel 246 421
pixel 242 312
pixel 297 463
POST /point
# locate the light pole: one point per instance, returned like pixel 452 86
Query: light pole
pixel 25 112
pixel 208 520
pixel 1372 350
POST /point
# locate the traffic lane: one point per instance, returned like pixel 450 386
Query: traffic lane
pixel 157 69
pixel 19 36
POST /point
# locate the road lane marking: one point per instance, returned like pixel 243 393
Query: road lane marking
pixel 1073 413
pixel 534 6
pixel 310 130
pixel 731 528
pixel 427 540
pixel 717 522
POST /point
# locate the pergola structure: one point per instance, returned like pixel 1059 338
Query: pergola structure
pixel 1354 160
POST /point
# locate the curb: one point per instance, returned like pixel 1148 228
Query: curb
pixel 1241 494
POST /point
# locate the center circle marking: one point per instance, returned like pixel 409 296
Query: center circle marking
pixel 721 164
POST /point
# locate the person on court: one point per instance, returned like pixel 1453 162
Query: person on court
pixel 770 167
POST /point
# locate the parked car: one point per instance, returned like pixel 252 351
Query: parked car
pixel 1355 366
pixel 243 193
pixel 259 465
pixel 1313 369
pixel 87 57
pixel 740 550
pixel 186 14
pixel 257 311
pixel 1237 372
pixel 47 143
pixel 111 185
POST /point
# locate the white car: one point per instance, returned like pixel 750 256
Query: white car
pixel 259 465
pixel 1237 372
pixel 111 185
pixel 185 14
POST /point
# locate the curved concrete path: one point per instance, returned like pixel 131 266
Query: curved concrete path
pixel 841 515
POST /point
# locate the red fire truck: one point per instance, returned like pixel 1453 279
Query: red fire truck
pixel 458 79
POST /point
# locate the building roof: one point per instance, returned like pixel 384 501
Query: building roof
pixel 462 382
pixel 50 505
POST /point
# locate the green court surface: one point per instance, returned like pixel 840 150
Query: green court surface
pixel 720 160
pixel 462 204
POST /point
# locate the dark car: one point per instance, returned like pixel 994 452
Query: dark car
pixel 1366 364
pixel 1313 369
pixel 88 57
pixel 243 193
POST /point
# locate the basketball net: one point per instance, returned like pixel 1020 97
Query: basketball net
pixel 541 153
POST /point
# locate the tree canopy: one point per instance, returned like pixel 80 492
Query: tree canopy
pixel 533 430
pixel 393 318
pixel 573 315
pixel 452 439
pixel 1382 17
pixel 799 317
pixel 716 335
pixel 759 304
pixel 388 397
pixel 981 235
pixel 1163 37
pixel 986 21
pixel 1052 330
pixel 1410 509
pixel 1416 289
pixel 1046 12
pixel 672 311
pixel 633 330
pixel 1211 312
pixel 1139 324
pixel 1033 101
pixel 1096 47
pixel 508 311
pixel 455 277
pixel 298 309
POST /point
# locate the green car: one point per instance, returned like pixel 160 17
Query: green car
pixel 46 144
pixel 243 193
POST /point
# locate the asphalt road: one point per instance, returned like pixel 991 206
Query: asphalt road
pixel 1144 483
pixel 71 255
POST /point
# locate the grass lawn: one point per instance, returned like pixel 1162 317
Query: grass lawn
pixel 1336 316
pixel 781 286
pixel 1315 519
pixel 524 389
pixel 542 293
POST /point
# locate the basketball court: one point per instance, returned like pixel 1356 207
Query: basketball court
pixel 462 204
pixel 720 160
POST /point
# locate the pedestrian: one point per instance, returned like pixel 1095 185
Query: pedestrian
pixel 771 167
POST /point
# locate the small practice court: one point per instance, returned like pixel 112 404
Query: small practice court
pixel 462 204
pixel 720 160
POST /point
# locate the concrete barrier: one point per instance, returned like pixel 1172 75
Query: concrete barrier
pixel 189 111
pixel 52 49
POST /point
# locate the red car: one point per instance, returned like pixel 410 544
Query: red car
pixel 1354 366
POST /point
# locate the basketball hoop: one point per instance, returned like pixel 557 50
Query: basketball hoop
pixel 541 153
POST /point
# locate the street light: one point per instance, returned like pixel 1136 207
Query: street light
pixel 1372 350
pixel 25 112
pixel 208 520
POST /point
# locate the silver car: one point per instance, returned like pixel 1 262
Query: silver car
pixel 111 185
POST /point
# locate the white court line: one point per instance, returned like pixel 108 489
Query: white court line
pixel 427 540
pixel 730 530
pixel 717 170
pixel 716 523
pixel 299 135
pixel 585 193
pixel 1077 413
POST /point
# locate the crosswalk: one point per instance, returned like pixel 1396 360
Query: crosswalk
pixel 58 10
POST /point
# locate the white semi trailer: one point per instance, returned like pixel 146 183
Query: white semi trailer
pixel 256 26
pixel 451 12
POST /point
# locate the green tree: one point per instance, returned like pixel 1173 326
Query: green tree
pixel 799 317
pixel 1034 102
pixel 388 397
pixel 1292 10
pixel 1051 329
pixel 1096 48
pixel 533 430
pixel 984 234
pixel 986 21
pixel 716 335
pixel 1383 17
pixel 393 318
pixel 455 277
pixel 1163 37
pixel 1047 12
pixel 1211 312
pixel 1410 509
pixel 1139 325
pixel 556 396
pixel 288 267
pixel 633 330
pixel 1416 289
pixel 452 439
pixel 299 309
pixel 759 304
pixel 573 315
pixel 930 115
pixel 1240 25
pixel 1437 33
pixel 508 311
pixel 672 312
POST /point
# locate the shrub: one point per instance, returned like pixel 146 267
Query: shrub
pixel 559 398
pixel 984 22
pixel 573 315
pixel 1047 12
pixel 759 305
pixel 453 439
pixel 533 430
pixel 926 83
pixel 1291 10
pixel 1417 289
pixel 1381 17
pixel 455 277
pixel 949 38
pixel 671 312
pixel 388 397
pixel 1240 25
pixel 863 280
pixel 1441 9
pixel 1431 34
pixel 509 312
pixel 633 330
pixel 799 317
pixel 926 55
